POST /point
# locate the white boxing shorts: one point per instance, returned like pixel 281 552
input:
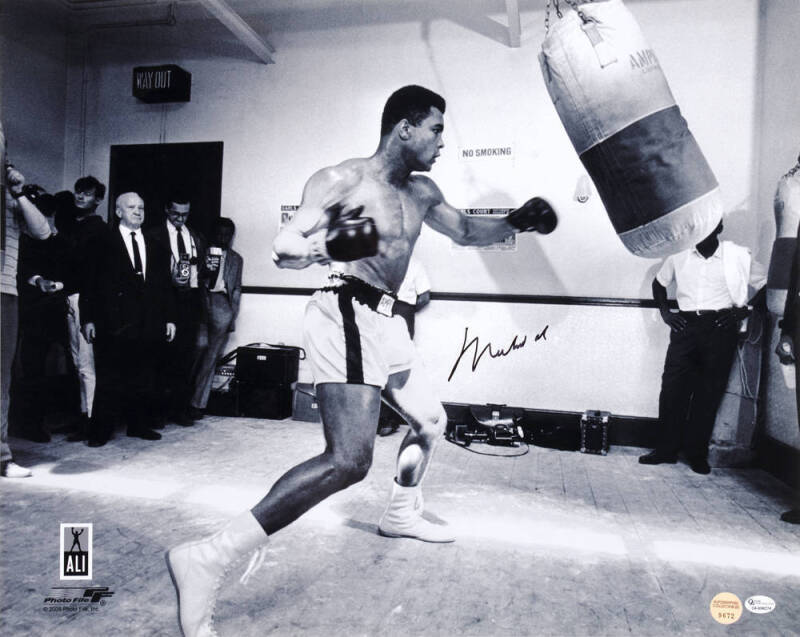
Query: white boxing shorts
pixel 351 335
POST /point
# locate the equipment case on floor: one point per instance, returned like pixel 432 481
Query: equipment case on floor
pixel 267 364
pixel 594 431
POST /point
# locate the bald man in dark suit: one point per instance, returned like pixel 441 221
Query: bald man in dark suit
pixel 127 310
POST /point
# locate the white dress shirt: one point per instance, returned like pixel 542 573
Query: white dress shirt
pixel 716 283
pixel 126 237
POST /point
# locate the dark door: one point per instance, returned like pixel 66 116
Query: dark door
pixel 154 171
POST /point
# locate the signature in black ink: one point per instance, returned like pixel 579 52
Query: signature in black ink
pixel 478 353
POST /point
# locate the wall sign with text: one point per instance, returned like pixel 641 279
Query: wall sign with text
pixel 509 244
pixel 165 83
pixel 470 153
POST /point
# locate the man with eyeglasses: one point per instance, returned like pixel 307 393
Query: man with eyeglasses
pixel 188 251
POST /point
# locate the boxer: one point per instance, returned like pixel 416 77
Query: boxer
pixel 363 217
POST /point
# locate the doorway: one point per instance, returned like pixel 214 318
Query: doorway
pixel 155 171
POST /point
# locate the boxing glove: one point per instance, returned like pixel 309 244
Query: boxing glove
pixel 351 239
pixel 535 215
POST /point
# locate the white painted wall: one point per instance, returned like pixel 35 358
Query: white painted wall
pixel 320 103
pixel 33 64
pixel 577 365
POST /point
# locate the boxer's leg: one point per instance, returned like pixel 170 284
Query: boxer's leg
pixel 409 393
pixel 349 415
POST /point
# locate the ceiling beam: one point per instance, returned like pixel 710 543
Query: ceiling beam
pixel 514 28
pixel 234 22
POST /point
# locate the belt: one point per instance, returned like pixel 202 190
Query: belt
pixel 376 299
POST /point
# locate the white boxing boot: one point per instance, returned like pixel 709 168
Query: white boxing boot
pixel 197 570
pixel 403 517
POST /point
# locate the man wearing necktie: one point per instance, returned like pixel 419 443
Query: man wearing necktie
pixel 187 250
pixel 127 311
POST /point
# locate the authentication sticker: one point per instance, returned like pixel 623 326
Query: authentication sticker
pixel 726 608
pixel 760 604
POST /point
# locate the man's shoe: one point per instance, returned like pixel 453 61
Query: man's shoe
pixel 195 413
pixel 11 469
pixel 198 568
pixel 403 518
pixel 144 434
pixel 791 516
pixel 699 465
pixel 656 457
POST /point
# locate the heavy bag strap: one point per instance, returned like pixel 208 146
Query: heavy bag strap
pixel 560 15
pixel 602 49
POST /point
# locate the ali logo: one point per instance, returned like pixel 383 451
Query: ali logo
pixel 76 551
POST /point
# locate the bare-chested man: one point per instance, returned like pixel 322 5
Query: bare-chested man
pixel 364 215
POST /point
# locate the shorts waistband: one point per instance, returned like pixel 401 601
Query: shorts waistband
pixel 374 298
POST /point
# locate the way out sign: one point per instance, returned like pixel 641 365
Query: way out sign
pixel 165 83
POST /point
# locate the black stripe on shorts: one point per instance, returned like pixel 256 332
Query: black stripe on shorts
pixel 352 339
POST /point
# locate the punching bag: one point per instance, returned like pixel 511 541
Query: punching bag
pixel 619 113
pixel 787 218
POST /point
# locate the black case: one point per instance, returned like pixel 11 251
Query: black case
pixel 266 364
pixel 594 431
pixel 257 400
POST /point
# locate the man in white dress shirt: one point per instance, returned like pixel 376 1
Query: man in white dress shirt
pixel 712 291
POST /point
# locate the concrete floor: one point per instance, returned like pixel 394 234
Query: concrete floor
pixel 550 543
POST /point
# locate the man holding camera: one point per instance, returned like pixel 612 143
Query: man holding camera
pixel 188 252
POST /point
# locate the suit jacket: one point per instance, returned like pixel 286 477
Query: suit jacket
pixel 232 275
pixel 118 302
pixel 159 232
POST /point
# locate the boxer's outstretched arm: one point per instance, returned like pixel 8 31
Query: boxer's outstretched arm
pixel 461 228
pixel 301 241
pixel 535 215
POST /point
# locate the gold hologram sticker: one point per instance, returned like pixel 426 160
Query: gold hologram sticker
pixel 726 608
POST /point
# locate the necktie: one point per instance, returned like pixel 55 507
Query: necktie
pixel 137 257
pixel 181 245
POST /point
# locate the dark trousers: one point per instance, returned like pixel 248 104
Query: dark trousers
pixel 42 326
pixel 695 376
pixel 180 356
pixel 126 370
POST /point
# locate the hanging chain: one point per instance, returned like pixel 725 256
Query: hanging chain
pixel 581 14
pixel 559 14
